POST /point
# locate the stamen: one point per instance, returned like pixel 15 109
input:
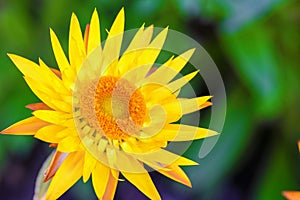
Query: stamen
pixel 111 107
pixel 119 106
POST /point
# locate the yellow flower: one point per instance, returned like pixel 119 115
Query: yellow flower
pixel 108 113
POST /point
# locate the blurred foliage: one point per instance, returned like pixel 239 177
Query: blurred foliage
pixel 256 46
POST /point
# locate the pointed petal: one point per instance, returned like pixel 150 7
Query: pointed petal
pixel 26 67
pixel 69 144
pixel 111 185
pixel 68 74
pixel 145 61
pixel 181 132
pixel 179 83
pixel 59 54
pixel 41 75
pixel 56 72
pixel 49 133
pixel 67 175
pixel 52 81
pixel 136 40
pixel 182 161
pixel 94 38
pixel 165 158
pixel 89 165
pixel 135 49
pixel 77 51
pixel 27 126
pixel 144 183
pixel 126 163
pixel 177 174
pixel 47 95
pixel 113 42
pixel 56 161
pixel 164 74
pixel 38 106
pixel 52 116
pixel 155 94
pixel 130 54
pixel 100 178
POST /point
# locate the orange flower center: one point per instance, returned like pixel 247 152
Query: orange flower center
pixel 120 108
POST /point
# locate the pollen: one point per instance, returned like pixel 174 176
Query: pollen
pixel 120 108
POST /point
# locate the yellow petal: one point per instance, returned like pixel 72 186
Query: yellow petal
pixel 165 158
pixel 51 116
pixel 136 40
pixel 68 74
pixel 181 132
pixel 141 39
pixel 131 53
pixel 89 165
pixel 100 178
pixel 156 94
pixel 182 161
pixel 113 42
pixel 126 163
pixel 193 104
pixel 52 81
pixel 150 54
pixel 177 174
pixel 27 126
pixel 144 183
pixel 69 144
pixel 26 67
pixel 66 176
pixel 135 49
pixel 66 132
pixel 41 78
pixel 92 66
pixel 76 45
pixel 111 156
pixel 142 147
pixel 147 58
pixel 170 69
pixel 111 186
pixel 291 195
pixel 179 83
pixel 56 161
pixel 49 133
pixel 47 95
pixel 94 38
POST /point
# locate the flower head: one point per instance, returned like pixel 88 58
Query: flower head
pixel 108 112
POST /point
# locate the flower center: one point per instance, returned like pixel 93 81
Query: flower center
pixel 120 108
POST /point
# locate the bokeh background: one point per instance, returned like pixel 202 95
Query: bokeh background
pixel 256 46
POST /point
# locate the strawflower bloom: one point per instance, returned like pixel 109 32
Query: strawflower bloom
pixel 110 115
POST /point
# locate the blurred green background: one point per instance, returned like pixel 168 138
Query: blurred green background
pixel 256 46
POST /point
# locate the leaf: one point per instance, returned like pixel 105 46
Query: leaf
pixel 252 51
